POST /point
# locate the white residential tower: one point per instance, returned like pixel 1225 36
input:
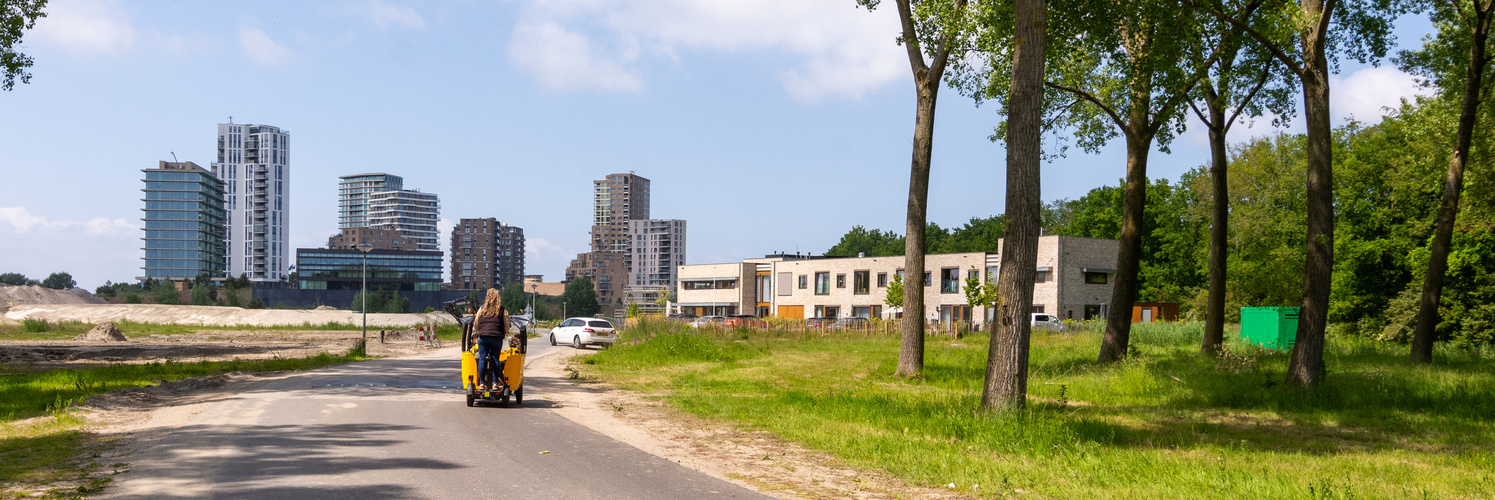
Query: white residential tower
pixel 254 164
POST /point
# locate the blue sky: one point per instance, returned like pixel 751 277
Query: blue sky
pixel 769 125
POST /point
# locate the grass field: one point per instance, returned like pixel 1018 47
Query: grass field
pixel 53 448
pixel 1166 423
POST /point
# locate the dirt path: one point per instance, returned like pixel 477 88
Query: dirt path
pixel 754 459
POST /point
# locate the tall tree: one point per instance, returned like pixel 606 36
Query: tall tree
pixel 580 297
pixel 1006 384
pixel 1299 38
pixel 1461 24
pixel 932 26
pixel 16 16
pixel 1244 79
pixel 1133 69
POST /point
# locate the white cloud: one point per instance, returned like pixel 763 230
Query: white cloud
pixel 565 60
pixel 1371 93
pixel 385 14
pixel 87 26
pixel 93 251
pixel 263 49
pixel 540 253
pixel 836 48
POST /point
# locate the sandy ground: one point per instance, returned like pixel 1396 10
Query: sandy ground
pixel 215 315
pixel 206 345
pixel 754 459
pixel 11 296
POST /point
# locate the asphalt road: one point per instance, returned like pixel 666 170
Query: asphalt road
pixel 396 428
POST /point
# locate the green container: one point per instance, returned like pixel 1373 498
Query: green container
pixel 1270 327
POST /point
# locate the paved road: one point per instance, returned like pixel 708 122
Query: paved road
pixel 396 428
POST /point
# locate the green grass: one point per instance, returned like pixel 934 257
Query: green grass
pixel 56 448
pixel 1166 423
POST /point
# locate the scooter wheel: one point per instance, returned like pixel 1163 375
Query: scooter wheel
pixel 519 396
pixel 470 400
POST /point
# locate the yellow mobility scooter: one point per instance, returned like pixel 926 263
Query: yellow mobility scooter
pixel 511 378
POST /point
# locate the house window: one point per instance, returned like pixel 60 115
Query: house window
pixel 882 280
pixel 1092 312
pixel 926 278
pixel 860 282
pixel 699 285
pixel 949 280
pixel 991 274
pixel 840 281
pixel 861 312
pixel 803 281
pixel 1095 278
pixel 1038 308
pixel 827 311
pixel 822 283
pixel 974 275
pixel 1041 277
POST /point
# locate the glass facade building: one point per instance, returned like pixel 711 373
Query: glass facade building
pixel 184 222
pixel 342 269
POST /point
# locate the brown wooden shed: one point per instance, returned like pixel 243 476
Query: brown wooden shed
pixel 1147 312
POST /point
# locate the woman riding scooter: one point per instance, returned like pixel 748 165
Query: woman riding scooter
pixel 490 325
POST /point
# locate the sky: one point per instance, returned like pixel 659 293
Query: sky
pixel 768 125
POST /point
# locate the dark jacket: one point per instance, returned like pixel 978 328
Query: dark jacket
pixel 492 326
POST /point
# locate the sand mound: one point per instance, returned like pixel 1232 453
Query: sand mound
pixel 216 315
pixel 106 332
pixel 325 308
pixel 11 296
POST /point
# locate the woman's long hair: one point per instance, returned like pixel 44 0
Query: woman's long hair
pixel 492 305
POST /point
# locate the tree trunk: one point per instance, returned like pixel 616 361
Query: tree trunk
pixel 1128 256
pixel 1306 369
pixel 1214 321
pixel 1432 284
pixel 911 350
pixel 1006 385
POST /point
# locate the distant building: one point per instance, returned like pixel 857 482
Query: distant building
pixel 380 238
pixel 1073 281
pixel 656 249
pixel 535 283
pixel 380 200
pixel 342 269
pixel 616 199
pixel 184 222
pixel 254 164
pixel 486 254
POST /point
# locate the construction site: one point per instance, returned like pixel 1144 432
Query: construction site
pixel 42 328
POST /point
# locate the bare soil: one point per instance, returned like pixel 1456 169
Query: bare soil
pixel 11 296
pixel 207 345
pixel 751 458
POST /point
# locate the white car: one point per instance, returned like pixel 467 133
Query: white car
pixel 1048 322
pixel 583 331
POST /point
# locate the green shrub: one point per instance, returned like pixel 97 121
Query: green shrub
pixel 199 296
pixel 30 325
pixel 132 298
pixel 165 293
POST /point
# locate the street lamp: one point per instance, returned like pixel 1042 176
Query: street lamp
pixel 534 289
pixel 364 288
pixel 563 310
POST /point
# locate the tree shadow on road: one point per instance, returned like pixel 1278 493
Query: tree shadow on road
pixel 259 461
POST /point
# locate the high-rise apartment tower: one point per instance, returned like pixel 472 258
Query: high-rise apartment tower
pixel 380 200
pixel 616 199
pixel 184 222
pixel 486 254
pixel 254 164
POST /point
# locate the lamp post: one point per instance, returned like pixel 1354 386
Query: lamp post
pixel 563 310
pixel 534 289
pixel 364 248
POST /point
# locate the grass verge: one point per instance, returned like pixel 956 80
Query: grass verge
pixel 54 448
pixel 1166 423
